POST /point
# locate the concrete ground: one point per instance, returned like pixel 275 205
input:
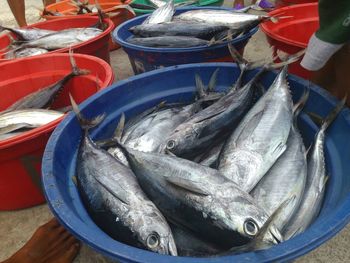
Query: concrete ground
pixel 16 227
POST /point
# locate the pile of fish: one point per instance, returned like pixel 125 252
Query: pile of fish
pixel 33 110
pixel 200 27
pixel 36 41
pixel 223 174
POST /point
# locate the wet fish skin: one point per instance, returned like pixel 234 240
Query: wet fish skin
pixel 25 52
pixel 260 138
pixel 210 158
pixel 316 180
pixel 115 201
pixel 27 118
pixel 64 38
pixel 149 133
pixel 198 197
pixel 197 132
pixel 287 176
pixel 43 98
pixel 198 30
pixel 168 41
pixel 231 19
pixel 28 34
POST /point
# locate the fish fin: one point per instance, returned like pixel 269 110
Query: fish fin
pixel 298 107
pixel 323 183
pixel 333 114
pixel 279 149
pixel 76 71
pixel 84 123
pixel 186 184
pixel 120 128
pixel 294 233
pixel 207 117
pixel 213 80
pixel 242 63
pixel 116 194
pixel 288 60
pixel 145 113
pixel 200 88
pixel 168 152
pixel 317 119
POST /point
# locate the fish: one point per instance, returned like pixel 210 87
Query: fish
pixel 190 245
pixel 260 138
pixel 196 134
pixel 63 38
pixel 162 14
pixel 231 19
pixel 114 199
pixel 198 30
pixel 168 41
pixel 286 177
pixel 210 158
pixel 198 198
pixel 26 119
pixel 27 34
pixel 25 52
pixel 147 132
pixel 316 180
pixel 43 98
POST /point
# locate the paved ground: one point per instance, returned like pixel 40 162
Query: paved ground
pixel 17 226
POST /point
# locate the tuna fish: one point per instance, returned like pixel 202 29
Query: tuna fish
pixel 168 41
pixel 199 198
pixel 162 14
pixel 44 97
pixel 198 30
pixel 115 200
pixel 26 119
pixel 27 34
pixel 286 177
pixel 316 180
pixel 260 138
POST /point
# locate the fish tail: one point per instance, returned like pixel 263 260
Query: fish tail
pixel 333 115
pixel 85 123
pixel 237 57
pixel 276 19
pixel 75 70
pixel 286 61
pixel 213 80
pixel 200 89
pixel 298 107
pixel 118 133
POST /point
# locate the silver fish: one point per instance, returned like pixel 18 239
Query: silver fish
pixel 179 28
pixel 28 118
pixel 158 3
pixel 260 138
pixel 199 198
pixel 162 14
pixel 197 133
pixel 27 34
pixel 231 19
pixel 25 52
pixel 64 38
pixel 316 180
pixel 210 158
pixel 115 200
pixel 43 98
pixel 168 41
pixel 286 177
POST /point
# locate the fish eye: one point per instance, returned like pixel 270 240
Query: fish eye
pixel 153 240
pixel 250 227
pixel 170 144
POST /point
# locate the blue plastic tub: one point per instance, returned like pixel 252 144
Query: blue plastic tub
pixel 144 91
pixel 144 59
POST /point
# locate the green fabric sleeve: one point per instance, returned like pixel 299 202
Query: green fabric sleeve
pixel 334 21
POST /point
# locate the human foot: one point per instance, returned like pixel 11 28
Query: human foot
pixel 50 243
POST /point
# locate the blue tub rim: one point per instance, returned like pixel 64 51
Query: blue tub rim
pixel 125 44
pixel 295 247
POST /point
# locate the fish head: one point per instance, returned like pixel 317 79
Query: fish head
pixel 156 234
pixel 252 222
pixel 180 141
